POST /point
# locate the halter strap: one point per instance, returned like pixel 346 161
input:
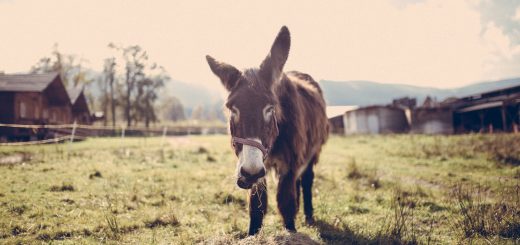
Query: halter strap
pixel 259 146
pixel 262 148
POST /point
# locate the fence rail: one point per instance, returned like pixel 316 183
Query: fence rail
pixel 59 133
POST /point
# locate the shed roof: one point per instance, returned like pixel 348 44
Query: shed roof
pixel 334 111
pixel 26 82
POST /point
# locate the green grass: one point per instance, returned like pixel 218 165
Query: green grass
pixel 392 189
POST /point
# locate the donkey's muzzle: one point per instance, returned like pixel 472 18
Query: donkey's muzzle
pixel 246 180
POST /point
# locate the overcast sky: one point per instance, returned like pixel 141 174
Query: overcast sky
pixel 439 43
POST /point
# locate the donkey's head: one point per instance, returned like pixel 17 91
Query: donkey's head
pixel 254 107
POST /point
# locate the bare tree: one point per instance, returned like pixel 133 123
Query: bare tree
pixel 135 61
pixel 70 67
pixel 108 84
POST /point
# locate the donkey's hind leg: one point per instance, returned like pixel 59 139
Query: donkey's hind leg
pixel 257 206
pixel 286 198
pixel 307 180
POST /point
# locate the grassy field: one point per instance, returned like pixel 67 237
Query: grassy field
pixel 402 189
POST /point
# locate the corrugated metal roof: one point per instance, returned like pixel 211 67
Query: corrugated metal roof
pixel 334 111
pixel 481 106
pixel 26 82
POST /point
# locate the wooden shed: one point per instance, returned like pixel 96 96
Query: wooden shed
pixel 80 111
pixel 32 99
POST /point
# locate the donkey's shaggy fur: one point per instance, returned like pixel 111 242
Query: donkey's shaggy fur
pixel 284 112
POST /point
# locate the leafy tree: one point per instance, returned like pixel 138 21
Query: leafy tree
pixel 147 94
pixel 172 109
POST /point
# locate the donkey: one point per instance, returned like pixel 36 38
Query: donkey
pixel 277 121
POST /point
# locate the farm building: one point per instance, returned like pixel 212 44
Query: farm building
pixel 376 120
pixel 434 120
pixel 80 112
pixel 493 111
pixel 336 116
pixel 32 99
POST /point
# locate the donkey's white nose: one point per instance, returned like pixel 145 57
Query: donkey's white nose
pixel 251 159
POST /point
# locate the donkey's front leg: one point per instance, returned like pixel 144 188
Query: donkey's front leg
pixel 286 197
pixel 257 206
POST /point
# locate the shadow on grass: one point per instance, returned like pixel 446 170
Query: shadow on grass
pixel 334 235
pixel 295 238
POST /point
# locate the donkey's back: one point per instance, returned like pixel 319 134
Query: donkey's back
pixel 305 125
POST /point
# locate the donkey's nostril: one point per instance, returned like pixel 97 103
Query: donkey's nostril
pixel 261 173
pixel 244 173
pixel 250 176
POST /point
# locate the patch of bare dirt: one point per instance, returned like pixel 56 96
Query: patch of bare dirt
pixel 15 158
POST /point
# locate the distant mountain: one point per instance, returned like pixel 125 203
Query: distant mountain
pixel 371 93
pixel 192 95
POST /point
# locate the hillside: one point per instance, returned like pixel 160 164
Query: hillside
pixel 370 93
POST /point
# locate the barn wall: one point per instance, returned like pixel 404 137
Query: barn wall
pixel 362 121
pixel 392 120
pixel 60 114
pixel 376 120
pixel 27 107
pixel 6 114
pixel 432 121
pixel 336 124
pixel 7 108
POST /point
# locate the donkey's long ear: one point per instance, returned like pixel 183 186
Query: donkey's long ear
pixel 271 68
pixel 228 74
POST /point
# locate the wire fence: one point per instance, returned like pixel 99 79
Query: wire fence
pixel 63 132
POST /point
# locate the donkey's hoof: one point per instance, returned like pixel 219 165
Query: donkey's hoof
pixel 309 221
pixel 293 230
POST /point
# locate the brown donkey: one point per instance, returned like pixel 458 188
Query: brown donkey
pixel 277 122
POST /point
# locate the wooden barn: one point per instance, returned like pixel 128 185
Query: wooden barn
pixel 376 120
pixel 32 99
pixel 80 111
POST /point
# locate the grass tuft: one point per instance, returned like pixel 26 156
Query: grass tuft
pixel 479 217
pixel 96 174
pixel 62 188
pixel 163 220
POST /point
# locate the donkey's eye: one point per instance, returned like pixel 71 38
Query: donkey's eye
pixel 235 113
pixel 268 112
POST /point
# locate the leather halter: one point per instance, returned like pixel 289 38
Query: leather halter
pixel 259 146
pixel 265 150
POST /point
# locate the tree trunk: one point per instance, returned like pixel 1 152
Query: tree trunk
pixel 128 93
pixel 112 104
pixel 105 103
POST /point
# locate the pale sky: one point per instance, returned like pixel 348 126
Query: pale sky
pixel 438 43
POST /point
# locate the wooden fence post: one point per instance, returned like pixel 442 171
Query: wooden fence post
pixel 123 132
pixel 165 129
pixel 73 131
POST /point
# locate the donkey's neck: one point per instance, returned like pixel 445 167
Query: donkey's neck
pixel 284 90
